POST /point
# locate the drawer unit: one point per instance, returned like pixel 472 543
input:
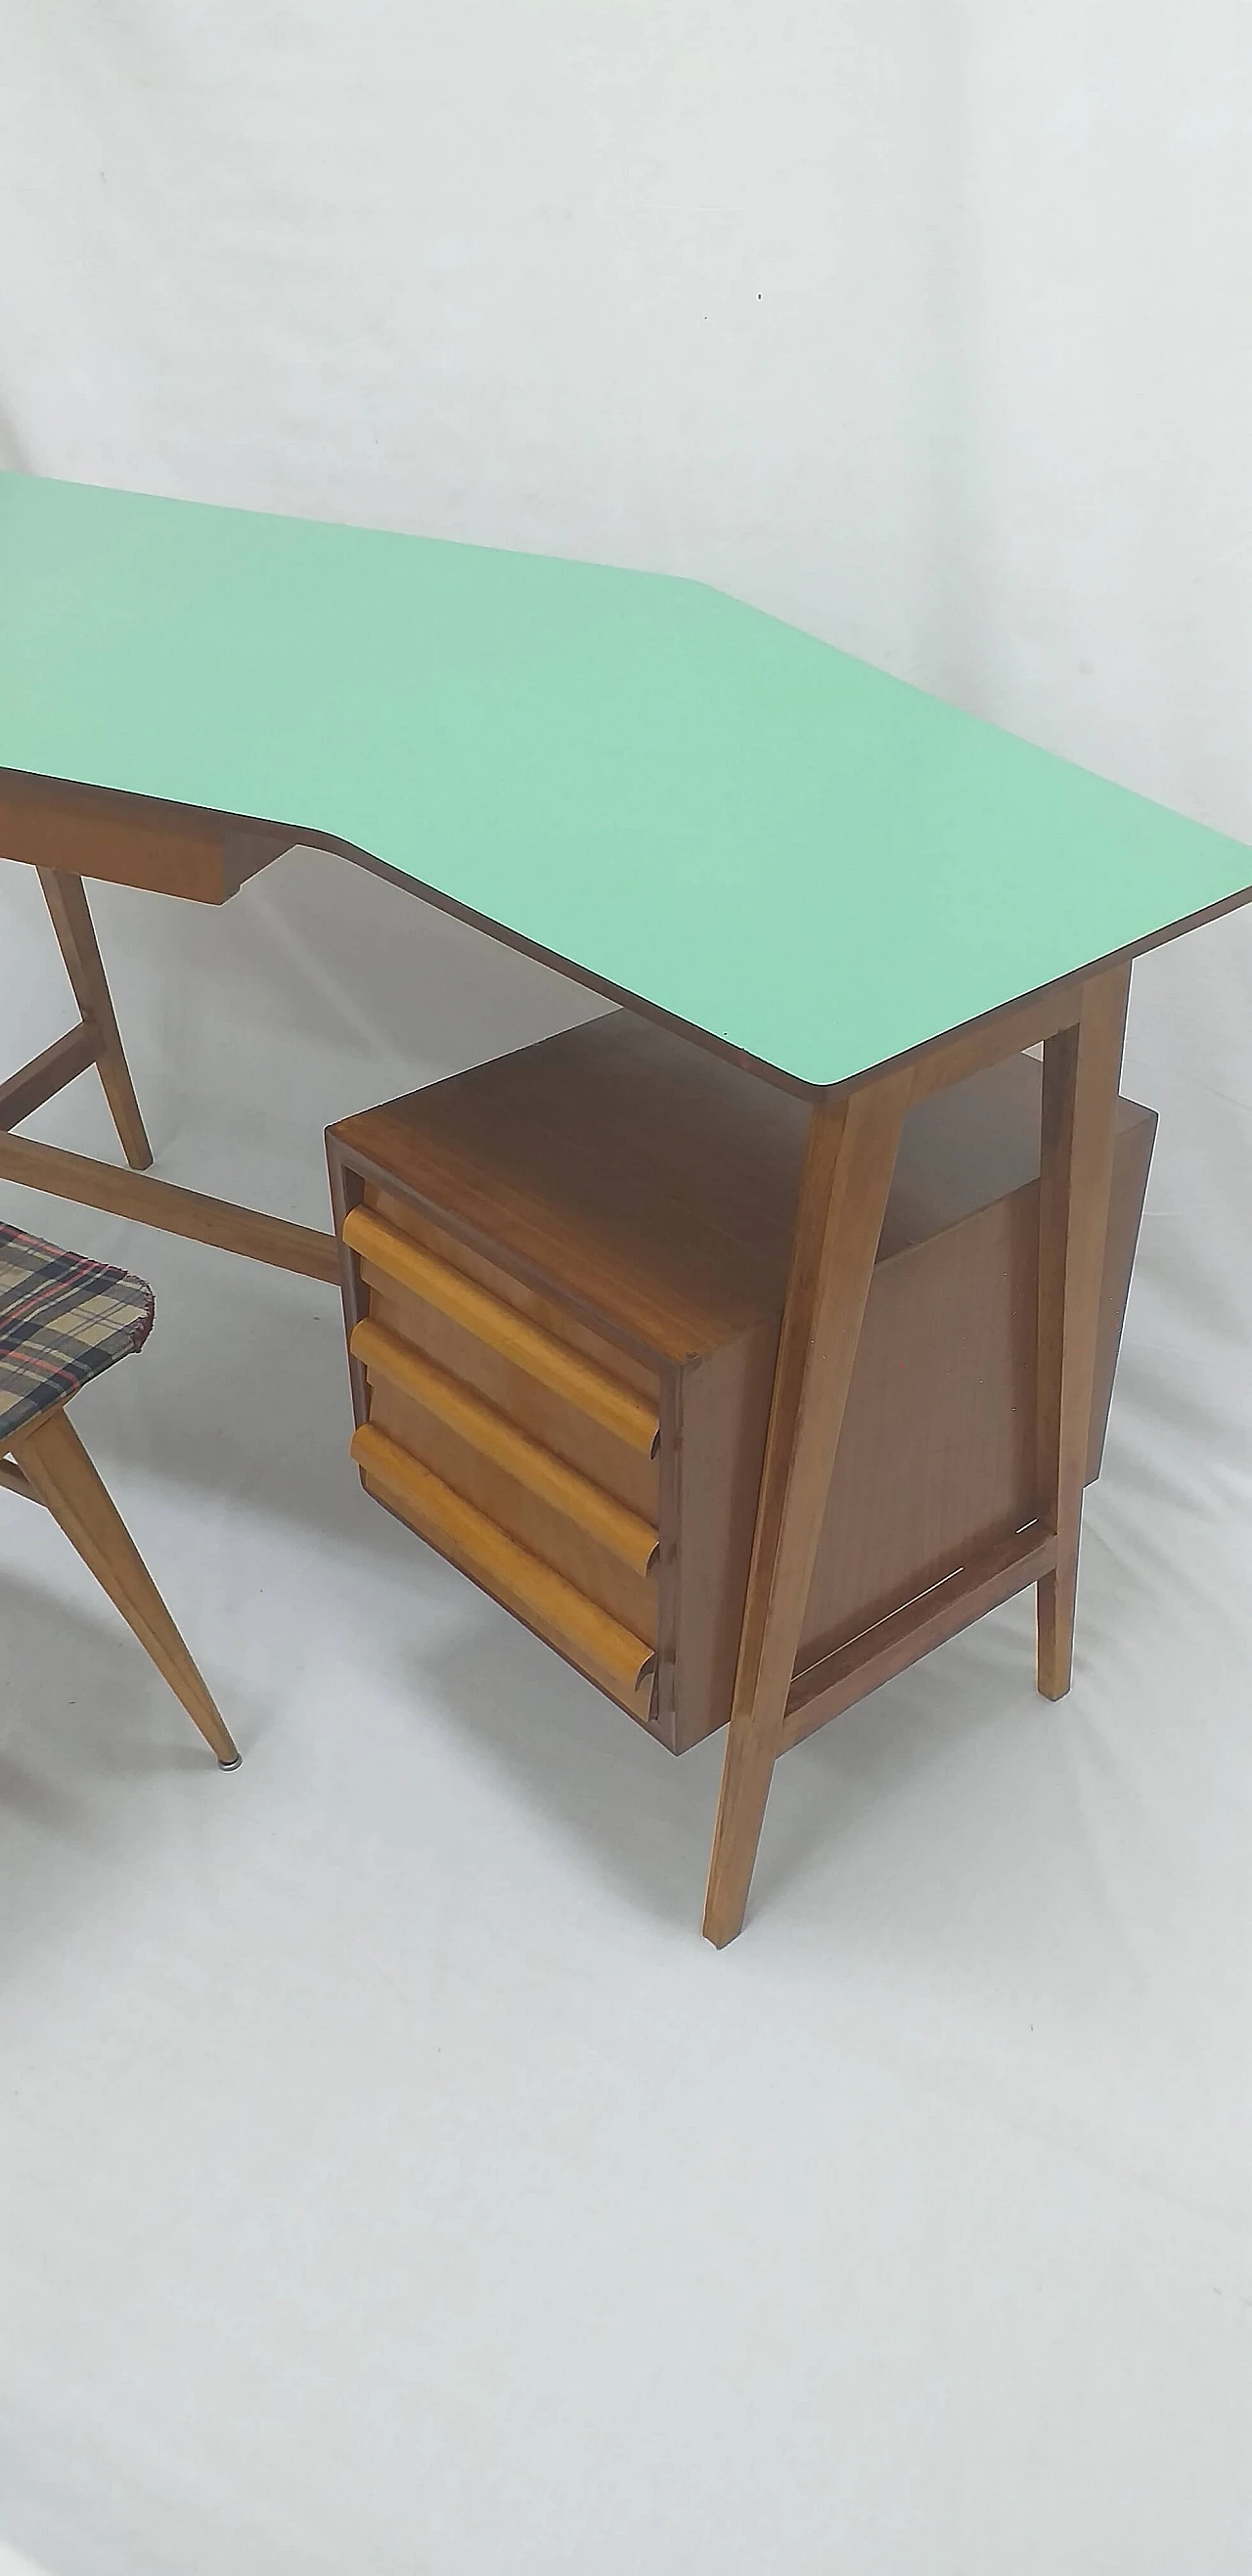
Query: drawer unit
pixel 533 1464
pixel 563 1276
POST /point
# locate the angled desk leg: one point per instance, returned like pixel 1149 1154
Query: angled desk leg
pixel 848 1167
pixel 71 919
pixel 133 1194
pixel 1081 1074
pixel 843 1194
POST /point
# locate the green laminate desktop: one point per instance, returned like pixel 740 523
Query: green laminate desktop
pixel 862 892
pixel 675 794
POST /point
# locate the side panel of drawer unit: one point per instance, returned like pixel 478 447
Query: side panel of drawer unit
pixel 936 1461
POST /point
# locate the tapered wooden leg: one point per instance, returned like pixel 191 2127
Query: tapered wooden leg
pixel 56 1465
pixel 1081 1072
pixel 843 1195
pixel 75 930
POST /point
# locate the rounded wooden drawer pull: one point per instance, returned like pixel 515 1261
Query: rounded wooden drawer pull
pixel 521 1581
pixel 613 1524
pixel 616 1407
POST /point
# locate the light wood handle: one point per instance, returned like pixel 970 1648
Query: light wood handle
pixel 521 1581
pixel 613 1524
pixel 615 1407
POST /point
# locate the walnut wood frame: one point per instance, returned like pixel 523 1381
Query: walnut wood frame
pixel 68 832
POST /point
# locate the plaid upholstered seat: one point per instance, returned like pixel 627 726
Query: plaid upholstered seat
pixel 62 1321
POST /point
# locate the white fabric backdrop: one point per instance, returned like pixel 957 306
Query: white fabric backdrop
pixel 391 2176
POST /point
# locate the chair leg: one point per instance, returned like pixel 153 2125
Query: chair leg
pixel 55 1463
pixel 76 938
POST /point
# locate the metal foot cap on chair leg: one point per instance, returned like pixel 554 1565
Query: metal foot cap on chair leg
pixel 229 1766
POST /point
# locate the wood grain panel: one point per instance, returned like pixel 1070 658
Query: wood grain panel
pixel 388 1360
pixel 626 1473
pixel 578 1381
pixel 553 1315
pixel 541 1527
pixel 825 1689
pixel 937 1455
pixel 132 840
pixel 945 1380
pixel 652 1185
pixel 603 1649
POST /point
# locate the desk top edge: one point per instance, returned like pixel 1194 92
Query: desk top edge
pixel 850 1036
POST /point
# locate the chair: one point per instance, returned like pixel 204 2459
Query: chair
pixel 64 1320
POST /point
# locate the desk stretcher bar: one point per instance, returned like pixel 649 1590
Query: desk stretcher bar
pixel 205 859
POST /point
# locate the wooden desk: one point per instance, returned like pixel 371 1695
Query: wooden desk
pixel 850 889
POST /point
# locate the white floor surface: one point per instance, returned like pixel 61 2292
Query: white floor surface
pixel 393 2178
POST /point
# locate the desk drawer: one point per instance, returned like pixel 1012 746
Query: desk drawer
pixel 604 1649
pixel 585 1534
pixel 522 1458
pixel 575 1399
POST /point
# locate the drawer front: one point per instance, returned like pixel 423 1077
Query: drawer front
pixel 586 1535
pixel 522 1457
pixel 607 1652
pixel 555 1317
pixel 576 1405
